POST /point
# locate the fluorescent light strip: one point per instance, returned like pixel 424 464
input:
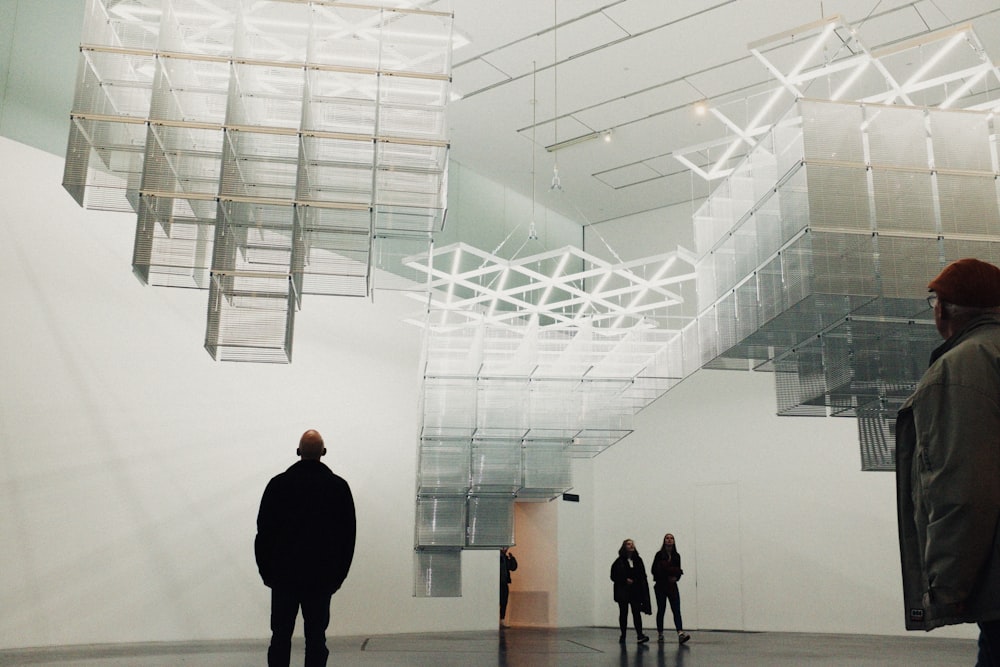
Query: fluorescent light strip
pixel 548 290
pixel 572 142
pixel 500 288
pixel 842 90
pixel 934 60
pixel 455 262
pixel 964 88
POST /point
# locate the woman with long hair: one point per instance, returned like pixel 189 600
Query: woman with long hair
pixel 666 571
pixel 631 589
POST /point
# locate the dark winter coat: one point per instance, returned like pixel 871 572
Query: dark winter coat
pixel 666 570
pixel 638 590
pixel 306 529
pixel 948 483
pixel 507 565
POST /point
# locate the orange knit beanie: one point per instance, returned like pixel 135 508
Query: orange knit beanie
pixel 968 282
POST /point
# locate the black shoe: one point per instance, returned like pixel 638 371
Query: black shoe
pixel 642 639
pixel 682 637
pixel 621 640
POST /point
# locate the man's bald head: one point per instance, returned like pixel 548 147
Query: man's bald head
pixel 311 446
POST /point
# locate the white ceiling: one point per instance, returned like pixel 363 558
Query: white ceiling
pixel 637 67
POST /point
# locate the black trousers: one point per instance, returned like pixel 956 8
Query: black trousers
pixel 989 644
pixel 636 616
pixel 673 595
pixel 504 596
pixel 285 604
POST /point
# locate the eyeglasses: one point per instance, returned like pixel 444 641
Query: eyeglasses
pixel 932 300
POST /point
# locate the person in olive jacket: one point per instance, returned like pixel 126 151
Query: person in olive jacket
pixel 306 529
pixel 631 589
pixel 666 570
pixel 948 463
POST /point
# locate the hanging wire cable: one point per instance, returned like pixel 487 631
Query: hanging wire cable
pixel 9 56
pixel 590 225
pixel 532 232
pixel 556 183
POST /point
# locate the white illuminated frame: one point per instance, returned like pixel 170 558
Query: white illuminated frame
pixel 607 296
pixel 965 70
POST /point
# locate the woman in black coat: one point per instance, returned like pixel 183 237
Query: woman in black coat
pixel 666 571
pixel 631 589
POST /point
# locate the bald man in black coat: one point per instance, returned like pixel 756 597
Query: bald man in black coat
pixel 306 529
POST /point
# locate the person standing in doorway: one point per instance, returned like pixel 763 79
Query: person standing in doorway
pixel 631 589
pixel 666 571
pixel 507 565
pixel 306 530
pixel 948 464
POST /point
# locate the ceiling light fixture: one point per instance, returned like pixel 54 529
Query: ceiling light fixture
pixel 572 142
pixel 556 185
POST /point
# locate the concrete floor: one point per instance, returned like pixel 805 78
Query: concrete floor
pixel 532 647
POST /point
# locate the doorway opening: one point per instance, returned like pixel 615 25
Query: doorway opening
pixel 533 590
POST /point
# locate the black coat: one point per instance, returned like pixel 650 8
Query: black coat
pixel 665 567
pixel 306 529
pixel 638 590
pixel 507 565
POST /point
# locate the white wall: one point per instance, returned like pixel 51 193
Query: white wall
pixel 133 464
pixel 37 74
pixel 577 550
pixel 643 234
pixel 495 218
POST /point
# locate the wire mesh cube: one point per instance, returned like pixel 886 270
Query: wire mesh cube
pixel 259 165
pixel 961 142
pixel 114 84
pixel 104 162
pixel 490 522
pixel 502 406
pixel 449 406
pixel 547 472
pixel 182 161
pixel 273 30
pixel 331 250
pixel 188 90
pixel 496 466
pixel 437 573
pixel 174 241
pixel 877 435
pixel 444 466
pixel 411 42
pixel 125 24
pixel 197 27
pixel 440 521
pixel 968 204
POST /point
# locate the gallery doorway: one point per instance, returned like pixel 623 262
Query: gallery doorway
pixel 533 590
